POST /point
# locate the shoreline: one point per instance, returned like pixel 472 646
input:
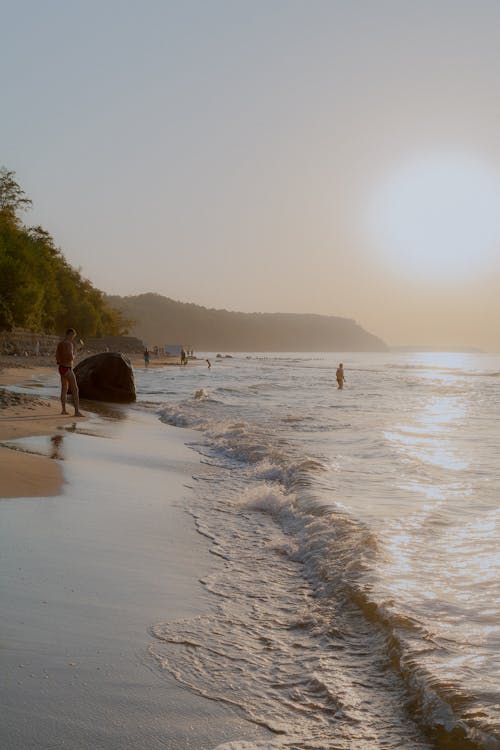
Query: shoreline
pixel 24 473
pixel 87 574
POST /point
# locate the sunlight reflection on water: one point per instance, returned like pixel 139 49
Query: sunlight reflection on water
pixel 409 450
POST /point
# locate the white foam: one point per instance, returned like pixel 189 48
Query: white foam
pixel 246 745
pixel 268 498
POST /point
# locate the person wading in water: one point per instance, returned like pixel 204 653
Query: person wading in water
pixel 340 376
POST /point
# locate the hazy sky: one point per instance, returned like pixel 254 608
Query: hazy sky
pixel 330 157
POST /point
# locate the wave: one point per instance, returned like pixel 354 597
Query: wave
pixel 302 660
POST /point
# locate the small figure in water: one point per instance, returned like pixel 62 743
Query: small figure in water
pixel 146 357
pixel 340 376
pixel 208 363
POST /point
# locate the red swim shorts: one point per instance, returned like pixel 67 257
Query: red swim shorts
pixel 64 370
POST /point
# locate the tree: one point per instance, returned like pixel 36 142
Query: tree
pixel 39 289
pixel 13 199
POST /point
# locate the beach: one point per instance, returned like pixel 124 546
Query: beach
pixel 250 558
pixel 356 602
pixel 100 551
pixel 25 474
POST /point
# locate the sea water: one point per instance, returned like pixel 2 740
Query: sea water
pixel 355 532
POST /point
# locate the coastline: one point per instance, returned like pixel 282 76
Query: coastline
pixel 87 573
pixel 25 474
pixel 120 533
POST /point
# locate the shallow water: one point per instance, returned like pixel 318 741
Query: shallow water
pixel 354 534
pixel 356 598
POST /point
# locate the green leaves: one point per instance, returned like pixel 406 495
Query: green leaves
pixel 13 199
pixel 39 290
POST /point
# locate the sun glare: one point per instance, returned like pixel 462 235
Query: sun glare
pixel 436 218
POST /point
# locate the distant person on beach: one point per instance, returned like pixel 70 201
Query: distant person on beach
pixel 184 359
pixel 340 376
pixel 208 363
pixel 146 357
pixel 65 355
pixel 37 349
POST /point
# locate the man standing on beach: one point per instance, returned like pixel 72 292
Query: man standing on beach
pixel 340 376
pixel 65 355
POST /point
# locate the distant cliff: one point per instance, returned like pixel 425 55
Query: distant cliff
pixel 160 320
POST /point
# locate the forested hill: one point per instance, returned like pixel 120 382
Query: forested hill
pixel 160 320
pixel 39 289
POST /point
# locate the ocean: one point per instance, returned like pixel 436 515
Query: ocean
pixel 354 535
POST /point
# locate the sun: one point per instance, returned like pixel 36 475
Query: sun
pixel 436 218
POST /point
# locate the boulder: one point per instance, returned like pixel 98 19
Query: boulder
pixel 106 377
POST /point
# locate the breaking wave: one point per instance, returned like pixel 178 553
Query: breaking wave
pixel 297 639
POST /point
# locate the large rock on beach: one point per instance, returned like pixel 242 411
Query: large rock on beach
pixel 106 377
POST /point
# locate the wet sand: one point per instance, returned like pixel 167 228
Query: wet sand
pixel 85 575
pixel 25 474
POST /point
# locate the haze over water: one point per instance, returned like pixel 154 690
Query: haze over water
pixel 327 157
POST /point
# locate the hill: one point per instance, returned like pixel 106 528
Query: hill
pixel 160 320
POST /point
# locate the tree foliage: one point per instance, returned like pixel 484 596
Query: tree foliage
pixel 39 290
pixel 13 199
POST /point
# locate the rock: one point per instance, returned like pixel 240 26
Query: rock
pixel 106 377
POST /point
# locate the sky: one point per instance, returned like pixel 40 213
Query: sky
pixel 340 158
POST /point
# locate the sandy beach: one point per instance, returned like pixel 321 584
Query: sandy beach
pixel 22 473
pixel 25 474
pixel 88 566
